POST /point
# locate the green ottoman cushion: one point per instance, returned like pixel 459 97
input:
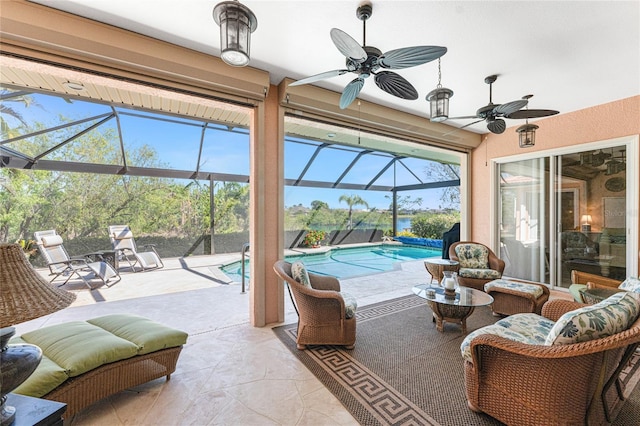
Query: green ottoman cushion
pixel 148 335
pixel 574 289
pixel 79 347
pixel 46 378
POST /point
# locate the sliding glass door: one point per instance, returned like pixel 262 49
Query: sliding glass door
pixel 592 205
pixel 523 235
pixel 567 211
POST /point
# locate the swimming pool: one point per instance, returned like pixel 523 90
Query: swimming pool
pixel 349 262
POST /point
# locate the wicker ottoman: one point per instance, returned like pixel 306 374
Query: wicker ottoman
pixel 516 297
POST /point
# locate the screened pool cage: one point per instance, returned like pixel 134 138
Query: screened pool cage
pixel 78 165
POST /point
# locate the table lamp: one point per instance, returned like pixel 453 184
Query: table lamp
pixel 586 222
pixel 25 295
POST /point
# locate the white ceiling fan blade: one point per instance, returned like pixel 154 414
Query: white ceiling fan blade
pixel 410 56
pixel 318 77
pixel 510 107
pixel 347 45
pixel 351 92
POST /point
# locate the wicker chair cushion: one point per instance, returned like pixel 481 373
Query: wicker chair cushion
pixel 350 305
pixel 46 378
pixel 631 284
pixel 300 274
pixel 532 289
pixel 473 256
pixel 528 328
pixel 78 346
pixel 483 274
pixel 611 316
pixel 148 335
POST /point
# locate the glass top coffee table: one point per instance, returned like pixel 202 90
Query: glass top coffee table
pixel 452 309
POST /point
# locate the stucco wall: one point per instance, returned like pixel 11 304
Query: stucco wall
pixel 607 121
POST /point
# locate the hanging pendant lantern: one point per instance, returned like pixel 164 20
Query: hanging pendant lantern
pixel 236 22
pixel 527 135
pixel 438 100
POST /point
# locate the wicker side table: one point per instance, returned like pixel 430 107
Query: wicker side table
pixel 595 295
pixel 436 267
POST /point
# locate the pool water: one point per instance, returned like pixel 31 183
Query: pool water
pixel 349 262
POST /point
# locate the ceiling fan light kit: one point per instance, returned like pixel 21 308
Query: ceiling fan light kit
pixel 236 22
pixel 365 61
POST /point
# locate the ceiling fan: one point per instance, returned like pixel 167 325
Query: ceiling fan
pixel 367 60
pixel 491 112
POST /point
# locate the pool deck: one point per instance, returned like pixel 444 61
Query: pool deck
pixel 229 372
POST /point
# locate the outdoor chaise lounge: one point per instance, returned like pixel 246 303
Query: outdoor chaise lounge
pixel 83 361
pixel 528 370
pixel 62 265
pixel 124 244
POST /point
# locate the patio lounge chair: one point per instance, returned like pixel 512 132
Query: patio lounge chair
pixel 62 265
pixel 125 248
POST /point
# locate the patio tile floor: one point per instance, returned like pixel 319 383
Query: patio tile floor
pixel 229 372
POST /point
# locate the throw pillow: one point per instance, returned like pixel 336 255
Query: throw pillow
pixel 300 274
pixel 611 316
pixel 473 256
pixel 630 284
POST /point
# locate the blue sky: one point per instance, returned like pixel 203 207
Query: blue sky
pixel 228 152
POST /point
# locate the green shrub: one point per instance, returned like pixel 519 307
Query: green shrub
pixel 433 226
pixel 406 233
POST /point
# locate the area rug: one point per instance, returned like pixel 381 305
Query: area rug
pixel 402 370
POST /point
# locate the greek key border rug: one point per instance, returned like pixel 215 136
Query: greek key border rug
pixel 404 372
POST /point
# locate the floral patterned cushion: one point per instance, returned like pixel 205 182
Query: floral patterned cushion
pixel 350 305
pixel 473 256
pixel 612 315
pixel 485 274
pixel 535 290
pixel 300 274
pixel 630 284
pixel 531 329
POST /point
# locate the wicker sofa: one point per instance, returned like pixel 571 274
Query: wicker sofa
pixel 518 380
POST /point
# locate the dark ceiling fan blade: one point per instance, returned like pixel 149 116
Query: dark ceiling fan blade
pixel 510 107
pixel 351 92
pixel 497 126
pixel 531 113
pixel 466 125
pixel 318 77
pixel 410 56
pixel 396 85
pixel 347 45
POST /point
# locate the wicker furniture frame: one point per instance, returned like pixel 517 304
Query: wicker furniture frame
pixel 495 263
pixel 592 280
pixel 321 310
pixel 81 391
pixel 507 301
pixel 537 385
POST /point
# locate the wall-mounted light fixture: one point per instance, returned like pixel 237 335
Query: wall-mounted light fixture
pixel 438 100
pixel 236 22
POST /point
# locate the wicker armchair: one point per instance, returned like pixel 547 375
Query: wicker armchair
pixel 321 310
pixel 471 273
pixel 525 384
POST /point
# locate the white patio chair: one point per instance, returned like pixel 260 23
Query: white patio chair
pixel 125 247
pixel 62 265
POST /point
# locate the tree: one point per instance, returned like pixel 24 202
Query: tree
pixel 440 172
pixel 352 200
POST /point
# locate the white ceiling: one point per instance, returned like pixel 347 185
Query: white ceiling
pixel 569 54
